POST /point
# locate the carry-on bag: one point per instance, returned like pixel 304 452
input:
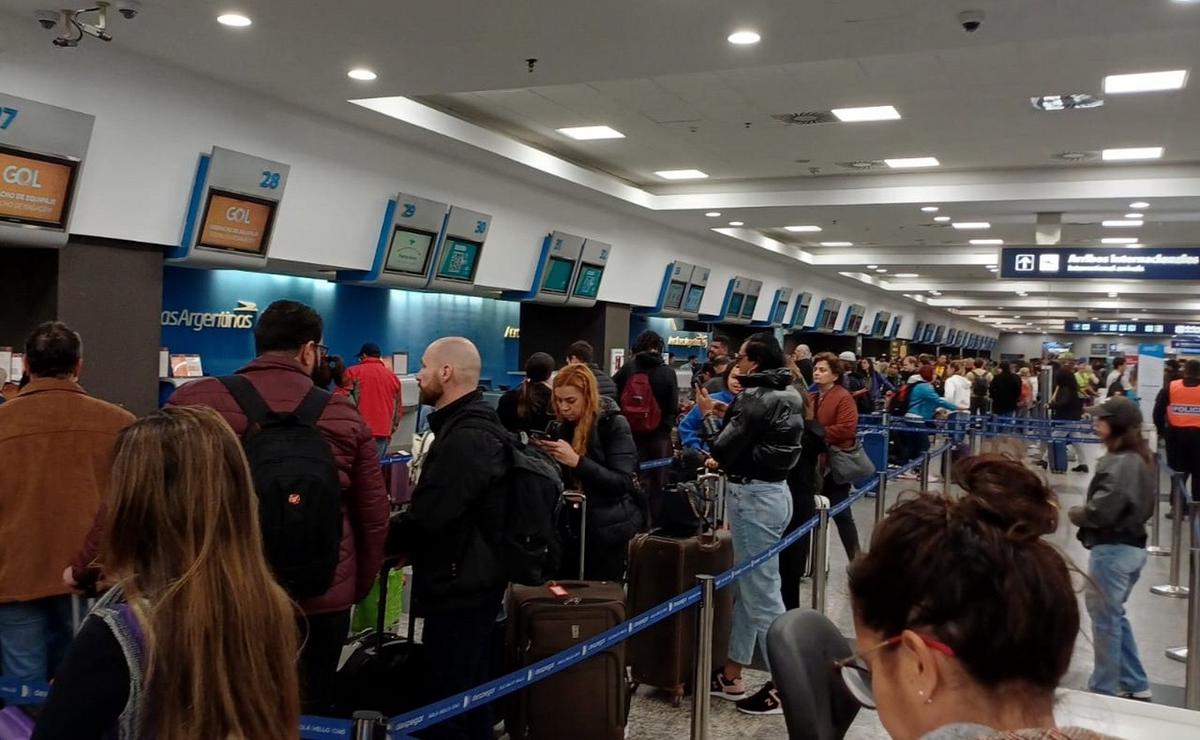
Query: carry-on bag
pixel 1058 454
pixel 661 568
pixel 589 700
pixel 15 724
pixel 385 672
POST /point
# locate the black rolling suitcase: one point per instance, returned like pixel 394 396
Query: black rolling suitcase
pixel 589 700
pixel 386 672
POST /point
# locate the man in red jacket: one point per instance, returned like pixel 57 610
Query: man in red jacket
pixel 288 342
pixel 378 395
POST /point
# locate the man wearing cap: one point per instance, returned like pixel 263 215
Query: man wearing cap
pixel 379 400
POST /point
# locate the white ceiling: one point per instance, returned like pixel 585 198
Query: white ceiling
pixel 661 72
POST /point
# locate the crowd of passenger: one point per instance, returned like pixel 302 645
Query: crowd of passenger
pixel 210 623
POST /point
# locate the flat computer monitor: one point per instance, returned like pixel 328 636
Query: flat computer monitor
pixel 748 306
pixel 36 188
pixel 558 275
pixel 674 299
pixel 735 305
pixel 409 252
pixel 587 284
pixel 459 260
pixel 236 222
pixel 694 295
pixel 780 313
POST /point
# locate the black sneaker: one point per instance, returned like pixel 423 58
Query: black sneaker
pixel 765 701
pixel 1079 469
pixel 725 689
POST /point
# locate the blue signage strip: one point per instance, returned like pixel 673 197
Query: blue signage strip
pixel 1132 327
pixel 1120 263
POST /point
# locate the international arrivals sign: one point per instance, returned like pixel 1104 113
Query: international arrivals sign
pixel 1132 327
pixel 1119 263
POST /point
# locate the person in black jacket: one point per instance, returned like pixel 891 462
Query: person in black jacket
pixel 654 444
pixel 1005 391
pixel 457 580
pixel 528 407
pixel 1067 405
pixel 598 456
pixel 756 443
pixel 581 353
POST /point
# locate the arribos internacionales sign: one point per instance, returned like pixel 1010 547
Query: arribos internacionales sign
pixel 1120 263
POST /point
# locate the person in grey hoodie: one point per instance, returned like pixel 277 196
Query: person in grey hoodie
pixel 1112 525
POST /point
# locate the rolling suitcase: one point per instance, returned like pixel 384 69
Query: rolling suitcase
pixel 589 700
pixel 661 568
pixel 15 724
pixel 1058 455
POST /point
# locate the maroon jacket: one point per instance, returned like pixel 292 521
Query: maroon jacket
pixel 283 383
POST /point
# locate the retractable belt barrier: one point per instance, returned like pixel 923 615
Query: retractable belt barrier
pixel 664 462
pixel 1038 430
pixel 318 728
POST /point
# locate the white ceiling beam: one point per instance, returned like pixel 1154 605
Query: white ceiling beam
pixel 869 256
pixel 1079 287
pixel 1011 303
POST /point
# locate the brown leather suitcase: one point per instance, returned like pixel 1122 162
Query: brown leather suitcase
pixel 661 568
pixel 589 700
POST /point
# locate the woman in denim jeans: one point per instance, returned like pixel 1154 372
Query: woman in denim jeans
pixel 1112 524
pixel 756 445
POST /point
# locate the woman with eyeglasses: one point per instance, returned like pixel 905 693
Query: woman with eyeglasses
pixel 965 616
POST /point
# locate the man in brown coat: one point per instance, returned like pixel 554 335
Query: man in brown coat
pixel 56 445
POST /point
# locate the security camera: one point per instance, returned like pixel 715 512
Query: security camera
pixel 128 8
pixel 47 18
pixel 971 20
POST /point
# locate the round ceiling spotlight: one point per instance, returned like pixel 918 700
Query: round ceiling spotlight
pixel 713 214
pixel 362 74
pixel 233 20
pixel 744 38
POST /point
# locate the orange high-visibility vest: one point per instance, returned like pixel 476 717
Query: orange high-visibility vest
pixel 1183 407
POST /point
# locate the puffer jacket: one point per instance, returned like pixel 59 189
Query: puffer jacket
pixel 282 383
pixel 604 383
pixel 1120 500
pixel 760 438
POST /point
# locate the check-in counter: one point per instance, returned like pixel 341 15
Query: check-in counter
pixel 1124 718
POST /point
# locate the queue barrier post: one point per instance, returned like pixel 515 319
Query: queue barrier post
pixel 1155 548
pixel 925 468
pixel 881 497
pixel 1191 686
pixel 703 670
pixel 1175 589
pixel 820 554
pixel 946 464
pixel 368 726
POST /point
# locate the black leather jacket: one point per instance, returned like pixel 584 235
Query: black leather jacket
pixel 760 438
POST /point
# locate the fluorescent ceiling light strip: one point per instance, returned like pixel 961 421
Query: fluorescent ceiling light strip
pixel 1137 152
pixel 867 113
pixel 972 225
pixel 837 244
pixel 912 162
pixel 591 133
pixel 986 242
pixel 1119 240
pixel 1116 223
pixel 807 228
pixel 1145 82
pixel 681 174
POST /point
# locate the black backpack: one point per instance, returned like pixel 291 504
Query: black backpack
pixel 299 493
pixel 979 386
pixel 899 403
pixel 526 539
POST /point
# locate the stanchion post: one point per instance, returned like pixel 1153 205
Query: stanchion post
pixel 1191 686
pixel 820 554
pixel 946 461
pixel 973 437
pixel 881 497
pixel 368 726
pixel 1155 547
pixel 702 675
pixel 925 468
pixel 1175 589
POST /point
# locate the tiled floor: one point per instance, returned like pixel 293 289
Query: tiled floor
pixel 1157 622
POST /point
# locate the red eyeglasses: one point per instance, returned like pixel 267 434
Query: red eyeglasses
pixel 857 676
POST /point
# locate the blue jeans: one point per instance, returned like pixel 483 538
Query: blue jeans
pixel 381 444
pixel 34 636
pixel 758 513
pixel 1115 570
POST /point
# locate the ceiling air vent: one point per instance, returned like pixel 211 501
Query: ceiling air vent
pixel 806 118
pixel 863 164
pixel 1075 156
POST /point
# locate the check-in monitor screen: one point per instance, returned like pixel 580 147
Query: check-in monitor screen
pixel 780 313
pixel 35 189
pixel 694 295
pixel 674 299
pixel 459 260
pixel 735 305
pixel 749 306
pixel 587 285
pixel 558 275
pixel 409 251
pixel 854 324
pixel 236 222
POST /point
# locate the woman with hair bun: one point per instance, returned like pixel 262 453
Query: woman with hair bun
pixel 965 617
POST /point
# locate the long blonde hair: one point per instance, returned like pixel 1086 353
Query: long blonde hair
pixel 184 544
pixel 580 378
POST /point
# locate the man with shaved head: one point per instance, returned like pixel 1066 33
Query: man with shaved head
pixel 457 578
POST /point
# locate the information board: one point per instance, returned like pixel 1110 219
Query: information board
pixel 237 222
pixel 459 260
pixel 1131 327
pixel 1120 263
pixel 408 253
pixel 587 284
pixel 35 189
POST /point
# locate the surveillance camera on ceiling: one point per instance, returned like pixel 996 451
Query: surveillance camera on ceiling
pixel 75 24
pixel 971 20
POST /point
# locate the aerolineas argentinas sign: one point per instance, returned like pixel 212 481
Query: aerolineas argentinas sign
pixel 241 317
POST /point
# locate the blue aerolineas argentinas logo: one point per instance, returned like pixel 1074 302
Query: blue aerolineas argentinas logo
pixel 241 317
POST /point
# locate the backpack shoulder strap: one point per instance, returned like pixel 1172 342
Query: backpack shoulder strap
pixel 310 409
pixel 247 397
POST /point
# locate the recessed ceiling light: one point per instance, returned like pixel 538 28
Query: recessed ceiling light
pixel 737 223
pixel 1116 223
pixel 912 162
pixel 1112 295
pixel 1095 318
pixel 744 38
pixel 807 228
pixel 1016 317
pixel 233 20
pixel 1119 240
pixel 362 74
pixel 1137 152
pixel 986 242
pixel 591 133
pixel 872 267
pixel 681 174
pixel 713 214
pixel 941 219
pixel 1145 82
pixel 881 270
pixel 972 225
pixel 935 292
pixel 1135 215
pixel 837 244
pixel 1066 102
pixel 907 275
pixel 1139 204
pixel 929 209
pixel 869 113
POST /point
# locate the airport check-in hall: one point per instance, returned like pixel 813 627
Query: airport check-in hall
pixel 614 371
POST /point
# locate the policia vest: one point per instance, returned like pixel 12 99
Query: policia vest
pixel 1183 407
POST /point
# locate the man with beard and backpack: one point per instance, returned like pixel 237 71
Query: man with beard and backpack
pixel 324 509
pixel 648 394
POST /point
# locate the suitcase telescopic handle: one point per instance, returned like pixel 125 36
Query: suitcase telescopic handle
pixel 578 498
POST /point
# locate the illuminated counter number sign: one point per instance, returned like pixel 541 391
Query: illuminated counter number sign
pixel 236 222
pixel 7 116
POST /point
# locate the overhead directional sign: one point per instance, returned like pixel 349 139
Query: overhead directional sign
pixel 1132 327
pixel 1120 263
